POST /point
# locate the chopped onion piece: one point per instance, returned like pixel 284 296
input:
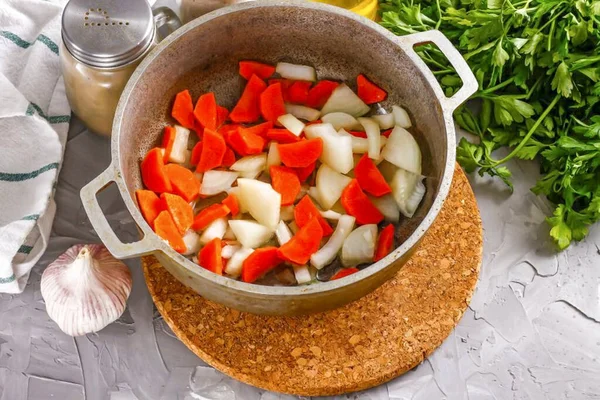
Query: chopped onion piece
pixel 192 242
pixel 388 170
pixel 401 117
pixel 403 151
pixel 236 192
pixel 343 99
pixel 330 185
pixel 314 193
pixel 287 213
pixel 330 214
pixel 337 148
pixel 273 156
pixel 327 253
pixel 178 151
pixel 387 206
pixel 296 72
pixel 291 123
pixel 302 112
pixel 229 250
pixel 385 121
pixel 408 190
pixel 283 233
pixel 234 265
pixel 359 246
pixel 250 234
pixel 302 274
pixel 373 137
pixel 214 182
pixel 341 120
pixel 261 200
pixel 216 229
pixel 251 174
pixel 250 163
pixel 361 145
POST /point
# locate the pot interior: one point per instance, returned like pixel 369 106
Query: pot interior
pixel 206 58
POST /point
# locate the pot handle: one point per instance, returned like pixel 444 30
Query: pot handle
pixel 470 84
pixel 96 216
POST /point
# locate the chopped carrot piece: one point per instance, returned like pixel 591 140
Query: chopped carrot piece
pixel 285 86
pixel 165 227
pixel 282 136
pixel 300 154
pixel 357 204
pixel 196 153
pixel 259 262
pixel 153 174
pixel 180 210
pixel 319 94
pixel 167 142
pixel 206 111
pixel 387 132
pixel 304 172
pixel 184 183
pixel 369 178
pixel 298 92
pixel 286 182
pixel 249 68
pixel 150 205
pixel 209 257
pixel 385 242
pixel 344 273
pixel 222 114
pixel 359 134
pixel 247 109
pixel 260 129
pixel 228 158
pixel 245 143
pixel 227 128
pixel 369 92
pixel 271 102
pixel 304 243
pixel 306 210
pixel 231 202
pixel 213 151
pixel 198 128
pixel 208 215
pixel 183 109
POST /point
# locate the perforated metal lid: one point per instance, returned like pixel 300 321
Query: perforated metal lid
pixel 107 33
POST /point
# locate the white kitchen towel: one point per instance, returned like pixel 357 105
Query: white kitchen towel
pixel 34 121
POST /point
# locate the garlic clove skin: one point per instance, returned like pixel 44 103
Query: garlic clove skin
pixel 85 289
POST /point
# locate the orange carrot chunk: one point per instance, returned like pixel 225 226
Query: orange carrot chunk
pixel 153 174
pixel 282 136
pixel 286 182
pixel 298 92
pixel 369 92
pixel 180 210
pixel 271 102
pixel 369 178
pixel 300 154
pixel 246 109
pixel 183 109
pixel 387 132
pixel 222 114
pixel 165 227
pixel 344 273
pixel 385 242
pixel 213 151
pixel 167 142
pixel 196 153
pixel 150 205
pixel 306 210
pixel 357 204
pixel 228 158
pixel 259 262
pixel 249 68
pixel 304 243
pixel 285 86
pixel 304 172
pixel 359 134
pixel 209 257
pixel 319 94
pixel 260 129
pixel 231 202
pixel 245 142
pixel 184 183
pixel 208 215
pixel 206 111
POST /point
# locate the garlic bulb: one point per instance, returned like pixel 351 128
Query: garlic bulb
pixel 85 289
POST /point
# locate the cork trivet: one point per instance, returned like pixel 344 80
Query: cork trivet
pixel 356 347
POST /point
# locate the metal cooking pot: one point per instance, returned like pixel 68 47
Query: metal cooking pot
pixel 203 56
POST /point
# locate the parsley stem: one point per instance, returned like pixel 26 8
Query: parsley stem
pixel 530 133
pixel 499 86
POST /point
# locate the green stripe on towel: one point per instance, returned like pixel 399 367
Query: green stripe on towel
pixel 56 119
pixel 25 249
pixel 8 280
pixel 25 44
pixel 17 177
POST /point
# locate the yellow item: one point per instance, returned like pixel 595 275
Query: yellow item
pixel 366 8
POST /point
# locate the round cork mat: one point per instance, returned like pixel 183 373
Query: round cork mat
pixel 358 346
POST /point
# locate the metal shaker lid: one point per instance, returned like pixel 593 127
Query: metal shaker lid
pixel 107 33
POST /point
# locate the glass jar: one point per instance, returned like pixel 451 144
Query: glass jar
pixel 101 47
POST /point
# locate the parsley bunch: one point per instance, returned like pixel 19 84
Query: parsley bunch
pixel 538 67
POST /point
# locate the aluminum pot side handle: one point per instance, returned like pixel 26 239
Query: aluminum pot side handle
pixel 92 208
pixel 470 84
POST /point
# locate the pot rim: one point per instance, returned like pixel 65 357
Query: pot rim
pixel 157 244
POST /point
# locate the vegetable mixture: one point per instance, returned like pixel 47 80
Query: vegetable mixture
pixel 292 179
